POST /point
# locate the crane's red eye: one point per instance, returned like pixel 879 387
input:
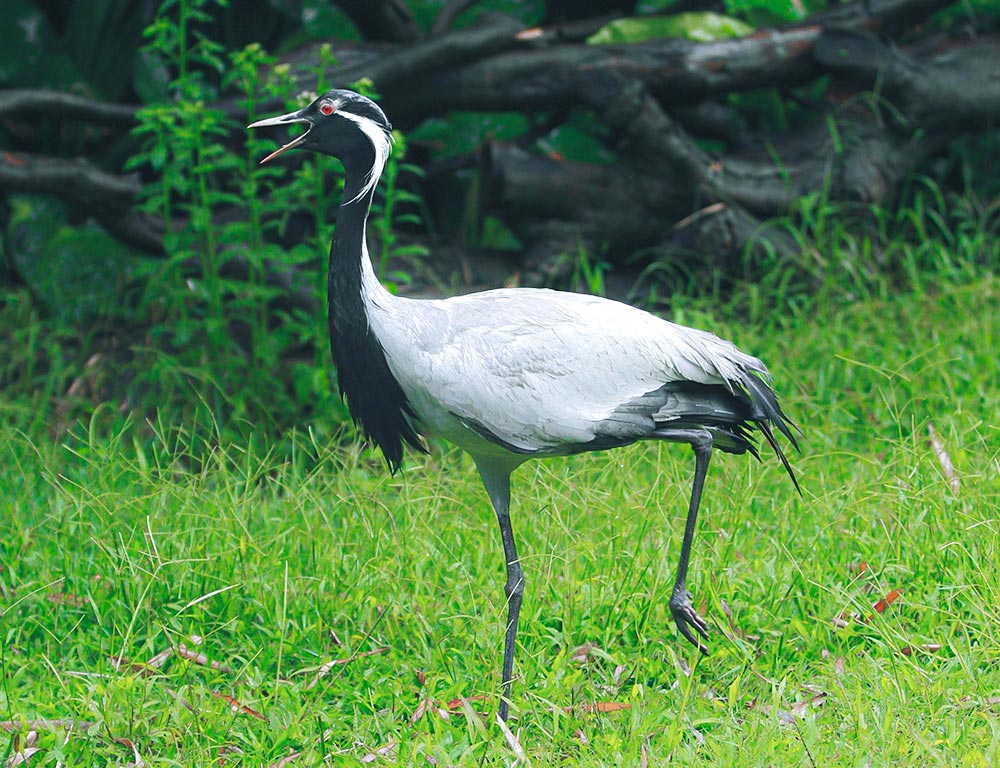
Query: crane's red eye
pixel 326 108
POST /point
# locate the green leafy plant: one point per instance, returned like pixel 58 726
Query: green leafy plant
pixel 703 26
pixel 213 303
pixel 194 299
pixel 587 273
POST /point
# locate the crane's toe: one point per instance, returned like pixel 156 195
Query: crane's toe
pixel 688 619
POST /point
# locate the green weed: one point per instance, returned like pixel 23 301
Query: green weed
pixel 849 254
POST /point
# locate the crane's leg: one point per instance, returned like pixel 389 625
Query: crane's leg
pixel 497 482
pixel 686 617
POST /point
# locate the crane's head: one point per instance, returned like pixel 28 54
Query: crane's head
pixel 343 124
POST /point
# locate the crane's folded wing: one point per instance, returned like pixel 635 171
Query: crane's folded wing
pixel 543 371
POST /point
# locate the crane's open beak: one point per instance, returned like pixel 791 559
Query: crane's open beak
pixel 290 119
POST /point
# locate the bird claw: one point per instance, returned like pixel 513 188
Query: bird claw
pixel 687 619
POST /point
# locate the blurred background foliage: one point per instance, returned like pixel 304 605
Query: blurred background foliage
pixel 223 329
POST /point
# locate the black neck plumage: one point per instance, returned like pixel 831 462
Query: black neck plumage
pixel 374 397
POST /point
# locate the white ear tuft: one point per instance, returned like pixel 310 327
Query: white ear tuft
pixel 381 142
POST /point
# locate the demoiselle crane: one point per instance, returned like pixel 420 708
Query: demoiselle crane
pixel 514 374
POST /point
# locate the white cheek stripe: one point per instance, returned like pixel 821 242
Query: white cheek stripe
pixel 381 142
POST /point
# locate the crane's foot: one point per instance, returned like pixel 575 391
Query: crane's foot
pixel 688 619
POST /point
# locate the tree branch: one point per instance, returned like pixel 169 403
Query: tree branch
pixel 27 102
pixel 76 180
pixel 383 20
pixel 676 71
pixel 110 199
pixel 854 157
pixel 447 52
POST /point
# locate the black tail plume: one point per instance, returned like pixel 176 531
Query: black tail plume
pixel 767 412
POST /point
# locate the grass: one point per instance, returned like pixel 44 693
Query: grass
pixel 116 553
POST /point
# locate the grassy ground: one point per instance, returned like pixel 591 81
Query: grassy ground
pixel 181 617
